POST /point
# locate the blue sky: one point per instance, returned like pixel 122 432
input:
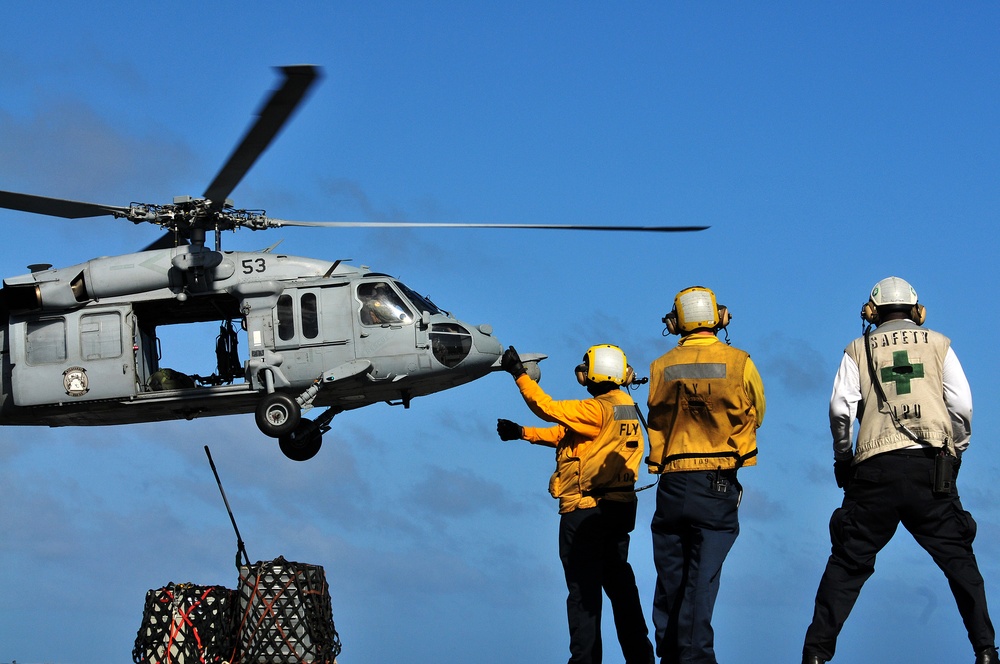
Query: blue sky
pixel 827 145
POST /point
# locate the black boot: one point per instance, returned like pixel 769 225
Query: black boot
pixel 987 656
pixel 815 659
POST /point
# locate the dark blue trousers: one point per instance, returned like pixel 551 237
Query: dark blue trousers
pixel 593 546
pixel 884 491
pixel 694 527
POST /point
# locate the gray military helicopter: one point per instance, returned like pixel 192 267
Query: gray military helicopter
pixel 80 344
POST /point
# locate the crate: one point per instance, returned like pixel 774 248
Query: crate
pixel 186 624
pixel 284 615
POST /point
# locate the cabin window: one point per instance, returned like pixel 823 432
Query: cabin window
pixel 101 336
pixel 310 316
pixel 46 341
pixel 286 322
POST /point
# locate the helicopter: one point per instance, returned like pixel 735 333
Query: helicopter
pixel 81 345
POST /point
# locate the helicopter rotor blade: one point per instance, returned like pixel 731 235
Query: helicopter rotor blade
pixel 57 207
pixel 270 120
pixel 407 224
pixel 167 241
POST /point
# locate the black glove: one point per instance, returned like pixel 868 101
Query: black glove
pixel 511 363
pixel 508 430
pixel 842 472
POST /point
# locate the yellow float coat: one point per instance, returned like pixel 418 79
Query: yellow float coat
pixel 706 401
pixel 599 445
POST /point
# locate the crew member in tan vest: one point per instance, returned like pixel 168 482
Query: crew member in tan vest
pixel 905 386
pixel 599 446
pixel 706 401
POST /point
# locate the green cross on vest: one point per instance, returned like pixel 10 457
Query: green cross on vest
pixel 901 372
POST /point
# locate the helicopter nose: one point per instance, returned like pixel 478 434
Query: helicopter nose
pixel 486 343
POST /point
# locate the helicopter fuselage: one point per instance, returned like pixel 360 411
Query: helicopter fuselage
pixel 81 346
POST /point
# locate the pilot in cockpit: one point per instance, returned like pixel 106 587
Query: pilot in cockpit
pixel 381 306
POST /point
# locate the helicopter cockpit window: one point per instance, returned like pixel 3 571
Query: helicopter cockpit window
pixel 380 305
pixel 46 341
pixel 422 303
pixel 286 318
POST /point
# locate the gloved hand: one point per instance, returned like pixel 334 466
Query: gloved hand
pixel 511 362
pixel 508 430
pixel 842 472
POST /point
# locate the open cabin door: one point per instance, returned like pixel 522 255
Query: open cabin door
pixel 74 356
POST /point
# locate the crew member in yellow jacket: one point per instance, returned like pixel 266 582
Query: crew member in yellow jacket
pixel 706 401
pixel 599 447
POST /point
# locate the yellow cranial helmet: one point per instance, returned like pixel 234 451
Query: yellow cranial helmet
pixel 603 363
pixel 695 308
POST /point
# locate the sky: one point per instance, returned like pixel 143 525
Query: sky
pixel 827 145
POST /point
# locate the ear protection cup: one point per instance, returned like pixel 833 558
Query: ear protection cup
pixel 670 320
pixel 918 314
pixel 629 374
pixel 581 373
pixel 869 313
pixel 724 316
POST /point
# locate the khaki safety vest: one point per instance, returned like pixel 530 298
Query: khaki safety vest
pixel 909 363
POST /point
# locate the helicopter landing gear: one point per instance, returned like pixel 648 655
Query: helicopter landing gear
pixel 278 414
pixel 303 443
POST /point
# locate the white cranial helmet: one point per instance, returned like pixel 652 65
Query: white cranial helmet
pixel 893 293
pixel 893 290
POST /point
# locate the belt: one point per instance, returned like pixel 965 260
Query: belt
pixel 925 453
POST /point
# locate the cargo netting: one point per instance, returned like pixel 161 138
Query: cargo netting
pixel 186 624
pixel 284 615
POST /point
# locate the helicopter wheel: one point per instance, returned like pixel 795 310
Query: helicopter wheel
pixel 303 443
pixel 278 415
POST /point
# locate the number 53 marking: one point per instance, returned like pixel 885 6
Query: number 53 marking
pixel 251 265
